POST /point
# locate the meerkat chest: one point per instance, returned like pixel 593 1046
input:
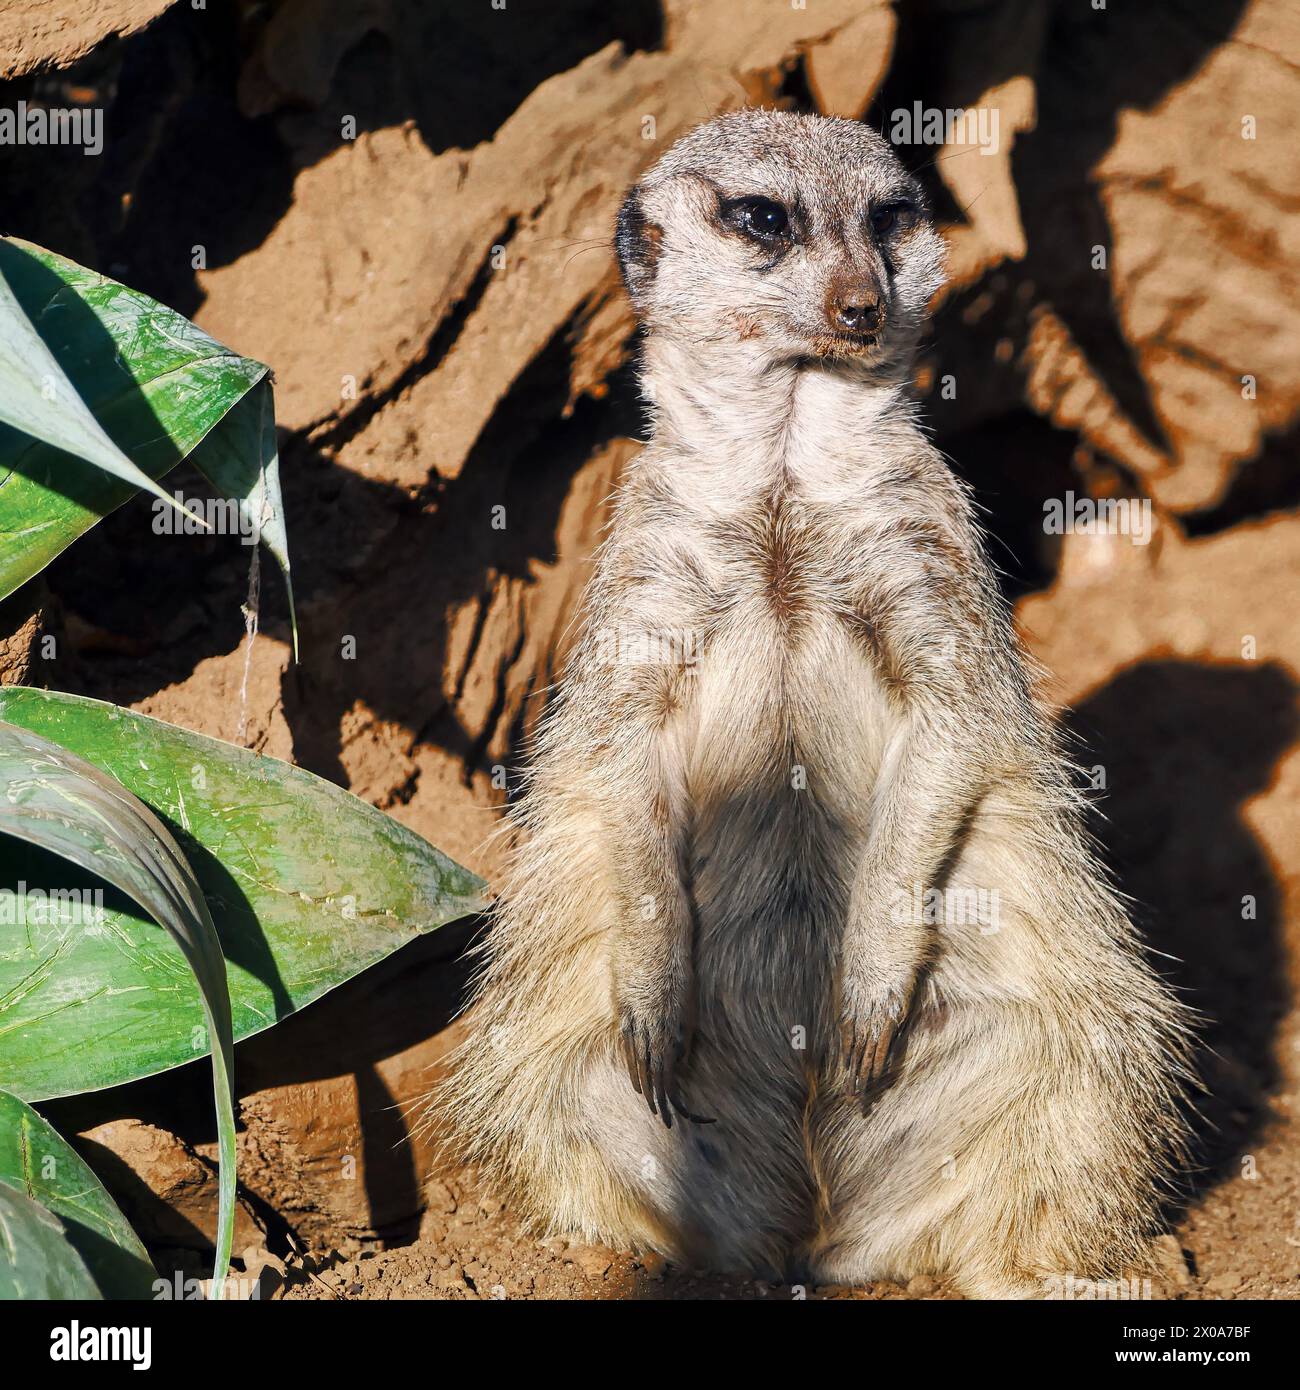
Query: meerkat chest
pixel 788 692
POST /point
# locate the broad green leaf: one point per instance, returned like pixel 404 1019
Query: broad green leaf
pixel 37 398
pixel 37 1160
pixel 157 386
pixel 308 886
pixel 37 1261
pixel 61 803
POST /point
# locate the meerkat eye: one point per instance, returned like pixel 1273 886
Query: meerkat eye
pixel 886 219
pixel 762 218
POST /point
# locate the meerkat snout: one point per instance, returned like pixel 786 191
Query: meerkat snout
pixel 802 236
pixel 854 306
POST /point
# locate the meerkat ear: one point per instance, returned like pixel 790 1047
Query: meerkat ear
pixel 636 241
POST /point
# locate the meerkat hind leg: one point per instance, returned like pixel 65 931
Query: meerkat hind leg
pixel 718 1196
pixel 977 1167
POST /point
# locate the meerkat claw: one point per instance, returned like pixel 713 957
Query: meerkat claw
pixel 880 1056
pixel 686 1114
pixel 655 1079
pixel 628 1043
pixel 652 1056
pixel 636 1053
pixel 661 1071
pixel 646 1072
pixel 867 1054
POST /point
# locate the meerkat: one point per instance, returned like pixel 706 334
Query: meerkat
pixel 727 1010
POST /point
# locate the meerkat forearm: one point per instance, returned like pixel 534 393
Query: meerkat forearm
pixel 651 946
pixel 925 794
pixel 641 801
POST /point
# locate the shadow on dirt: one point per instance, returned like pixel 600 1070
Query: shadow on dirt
pixel 1184 747
pixel 949 56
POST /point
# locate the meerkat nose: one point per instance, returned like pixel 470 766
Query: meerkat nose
pixel 857 310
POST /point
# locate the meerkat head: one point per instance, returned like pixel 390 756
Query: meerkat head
pixel 804 234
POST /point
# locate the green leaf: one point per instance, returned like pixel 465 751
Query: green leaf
pixel 37 398
pixel 61 803
pixel 308 886
pixel 124 367
pixel 36 1259
pixel 36 1160
pixel 241 459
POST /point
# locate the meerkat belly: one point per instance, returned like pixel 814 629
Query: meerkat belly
pixel 790 730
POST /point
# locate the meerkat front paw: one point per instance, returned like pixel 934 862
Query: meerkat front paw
pixel 655 1038
pixel 872 1018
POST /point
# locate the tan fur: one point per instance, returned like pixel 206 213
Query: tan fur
pixel 721 845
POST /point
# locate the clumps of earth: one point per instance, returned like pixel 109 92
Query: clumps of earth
pixel 471 1246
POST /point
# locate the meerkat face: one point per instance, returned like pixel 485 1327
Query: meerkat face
pixel 803 234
